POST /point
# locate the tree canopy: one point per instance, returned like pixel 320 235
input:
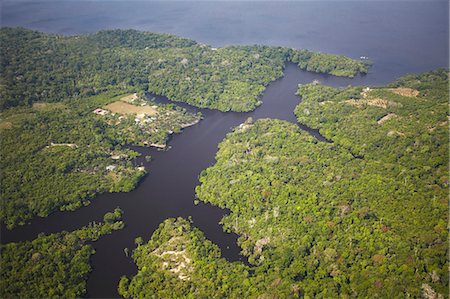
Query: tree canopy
pixel 58 156
pixel 362 216
pixel 52 266
pixel 45 67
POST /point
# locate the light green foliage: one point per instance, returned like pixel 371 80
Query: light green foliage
pixel 364 216
pixel 178 262
pixel 38 178
pixel 51 266
pixel 44 67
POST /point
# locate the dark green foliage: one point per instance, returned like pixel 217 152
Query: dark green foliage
pixel 112 217
pixel 44 67
pixel 230 78
pixel 137 40
pixel 38 178
pixel 61 74
pixel 51 266
pixel 364 216
pixel 336 65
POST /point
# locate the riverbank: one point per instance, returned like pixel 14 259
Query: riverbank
pixel 168 188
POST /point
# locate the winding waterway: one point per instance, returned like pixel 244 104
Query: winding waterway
pixel 169 188
pixel 400 37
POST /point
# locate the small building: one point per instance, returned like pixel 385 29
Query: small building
pixel 110 167
pixel 119 156
pixel 100 111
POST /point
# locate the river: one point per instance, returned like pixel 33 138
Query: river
pixel 389 33
pixel 169 188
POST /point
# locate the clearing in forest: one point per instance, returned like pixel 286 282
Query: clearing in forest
pixel 405 91
pixel 129 98
pixel 44 106
pixel 123 106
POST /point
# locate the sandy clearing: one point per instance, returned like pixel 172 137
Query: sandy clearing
pixel 5 125
pixel 122 107
pixel 377 102
pixel 404 91
pixel 130 98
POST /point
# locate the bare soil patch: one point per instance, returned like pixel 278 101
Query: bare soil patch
pixel 5 125
pixel 130 98
pixel 126 108
pixel 405 91
pixel 377 102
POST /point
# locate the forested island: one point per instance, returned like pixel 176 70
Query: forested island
pixel 55 265
pixel 67 115
pixel 364 215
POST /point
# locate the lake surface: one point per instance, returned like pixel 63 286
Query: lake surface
pixel 399 37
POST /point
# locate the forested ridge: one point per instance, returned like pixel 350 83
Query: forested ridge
pixel 54 265
pixel 38 66
pixel 363 216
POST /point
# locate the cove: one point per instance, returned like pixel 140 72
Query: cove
pixel 168 190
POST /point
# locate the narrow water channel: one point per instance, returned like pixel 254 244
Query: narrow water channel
pixel 169 188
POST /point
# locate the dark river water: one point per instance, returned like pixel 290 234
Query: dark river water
pixel 400 37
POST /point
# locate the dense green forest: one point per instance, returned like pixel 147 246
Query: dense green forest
pixel 44 67
pixel 55 265
pixel 362 216
pixel 57 156
pixel 179 262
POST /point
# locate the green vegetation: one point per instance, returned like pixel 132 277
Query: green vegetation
pixel 43 67
pixel 60 155
pixel 52 266
pixel 363 216
pixel 177 261
pixel 57 154
pixel 336 65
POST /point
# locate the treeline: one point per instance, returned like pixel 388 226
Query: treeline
pixel 55 265
pixel 54 156
pixel 363 216
pixel 336 65
pixel 44 67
